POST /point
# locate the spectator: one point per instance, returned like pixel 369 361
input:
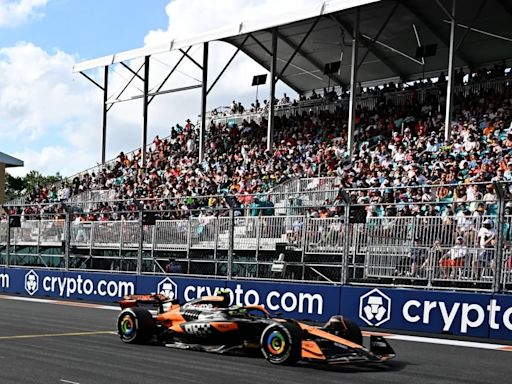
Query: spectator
pixel 417 256
pixel 486 240
pixel 454 259
pixel 173 266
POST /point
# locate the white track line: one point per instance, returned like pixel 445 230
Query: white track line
pixel 61 302
pixel 391 336
pixel 451 342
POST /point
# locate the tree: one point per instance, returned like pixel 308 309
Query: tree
pixel 17 186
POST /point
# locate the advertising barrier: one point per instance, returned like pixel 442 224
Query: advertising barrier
pixel 298 301
pixel 4 279
pixel 72 285
pixel 466 314
pixel 501 328
pixel 455 313
pixel 184 289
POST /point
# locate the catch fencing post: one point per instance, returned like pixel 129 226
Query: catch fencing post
pixel 498 282
pixel 141 242
pixel 346 237
pixel 8 248
pixel 67 239
pixel 231 243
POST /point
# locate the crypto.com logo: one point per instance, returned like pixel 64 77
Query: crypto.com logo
pixel 31 282
pixel 375 308
pixel 168 288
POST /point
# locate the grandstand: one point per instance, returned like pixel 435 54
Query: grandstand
pixel 428 158
pixel 6 161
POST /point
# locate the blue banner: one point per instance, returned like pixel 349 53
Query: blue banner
pixel 182 288
pixel 500 319
pixel 101 286
pixel 31 282
pixel 4 280
pixel 467 314
pixel 298 301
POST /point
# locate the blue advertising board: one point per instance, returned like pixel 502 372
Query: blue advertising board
pixel 31 281
pixel 182 288
pixel 468 314
pixel 299 301
pixel 500 320
pixel 4 280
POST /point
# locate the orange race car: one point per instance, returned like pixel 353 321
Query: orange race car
pixel 210 324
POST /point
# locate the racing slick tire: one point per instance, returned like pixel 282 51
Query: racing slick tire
pixel 135 326
pixel 344 328
pixel 281 343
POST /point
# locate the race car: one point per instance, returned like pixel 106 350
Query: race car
pixel 210 324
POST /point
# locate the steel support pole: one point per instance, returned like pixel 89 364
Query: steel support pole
pixel 67 240
pixel 8 248
pixel 105 110
pixel 231 243
pixel 145 112
pixel 271 102
pixel 498 281
pixel 449 88
pixel 346 237
pixel 353 86
pixel 204 94
pixel 140 250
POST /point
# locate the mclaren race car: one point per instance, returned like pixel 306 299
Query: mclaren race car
pixel 210 324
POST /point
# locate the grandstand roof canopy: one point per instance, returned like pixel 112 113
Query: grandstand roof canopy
pixel 10 161
pixel 389 32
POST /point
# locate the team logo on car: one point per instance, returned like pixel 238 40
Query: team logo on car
pixel 375 308
pixel 168 288
pixel 31 282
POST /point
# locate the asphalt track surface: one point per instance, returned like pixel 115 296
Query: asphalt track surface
pixel 50 343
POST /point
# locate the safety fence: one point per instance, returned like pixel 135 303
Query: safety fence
pixel 424 251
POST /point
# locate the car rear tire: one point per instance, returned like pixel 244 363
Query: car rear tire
pixel 281 343
pixel 135 326
pixel 344 328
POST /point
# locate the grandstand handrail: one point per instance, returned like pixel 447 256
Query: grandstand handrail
pixel 294 185
pixel 370 100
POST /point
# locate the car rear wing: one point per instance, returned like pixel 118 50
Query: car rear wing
pixel 153 300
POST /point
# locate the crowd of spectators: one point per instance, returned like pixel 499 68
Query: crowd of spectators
pixel 402 163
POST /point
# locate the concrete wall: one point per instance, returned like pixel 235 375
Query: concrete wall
pixel 2 183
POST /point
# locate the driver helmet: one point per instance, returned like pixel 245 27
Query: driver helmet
pixel 226 295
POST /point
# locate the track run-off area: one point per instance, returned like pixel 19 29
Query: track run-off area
pixel 48 341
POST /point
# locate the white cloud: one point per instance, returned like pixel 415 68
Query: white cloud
pixel 52 159
pixel 38 91
pixel 192 17
pixel 53 115
pixel 58 114
pixel 15 12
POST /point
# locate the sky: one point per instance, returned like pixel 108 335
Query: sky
pixel 51 118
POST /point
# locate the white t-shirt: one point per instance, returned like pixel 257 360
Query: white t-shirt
pixel 485 234
pixel 458 251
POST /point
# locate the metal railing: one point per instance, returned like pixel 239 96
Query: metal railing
pixel 400 98
pixel 405 251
